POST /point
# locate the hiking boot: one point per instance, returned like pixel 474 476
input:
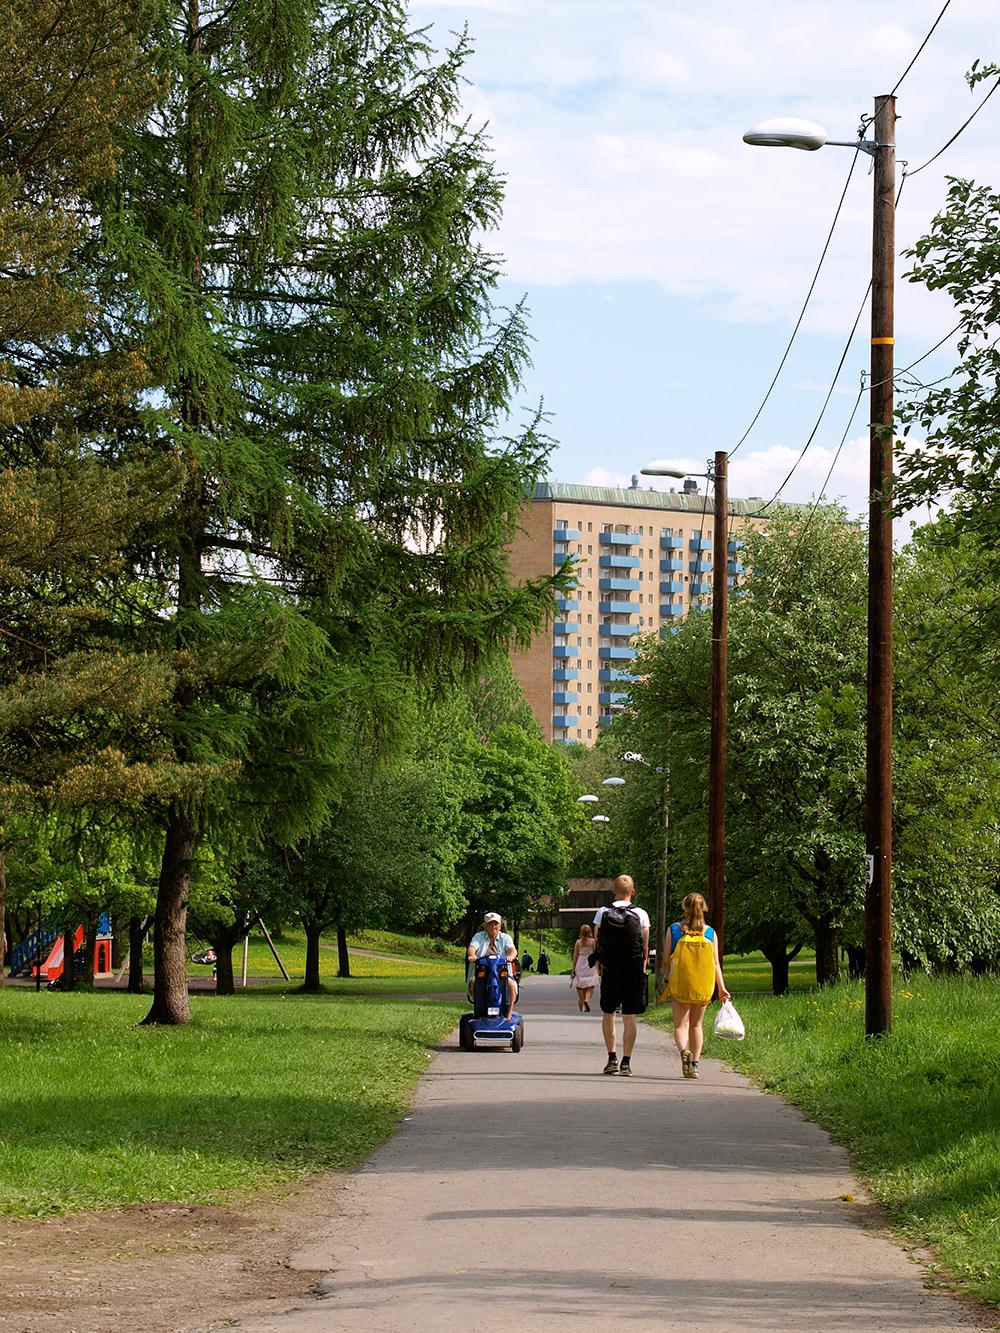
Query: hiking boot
pixel 612 1066
pixel 626 1068
pixel 694 1070
pixel 687 1064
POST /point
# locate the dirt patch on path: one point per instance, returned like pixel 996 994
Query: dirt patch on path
pixel 161 1268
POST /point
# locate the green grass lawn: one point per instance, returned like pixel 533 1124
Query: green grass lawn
pixel 920 1111
pixel 418 959
pixel 96 1112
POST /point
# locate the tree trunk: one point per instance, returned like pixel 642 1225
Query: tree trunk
pixel 855 961
pixel 137 927
pixel 779 961
pixel 225 980
pixel 170 990
pixel 343 957
pixel 116 943
pixel 827 961
pixel 89 944
pixel 68 978
pixel 3 913
pixel 313 932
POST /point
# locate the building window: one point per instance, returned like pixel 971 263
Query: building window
pixel 590 550
pixel 579 548
pixel 589 710
pixel 590 687
pixel 590 619
pixel 607 527
pixel 590 527
pixel 588 734
pixel 590 664
pixel 562 523
pixel 590 643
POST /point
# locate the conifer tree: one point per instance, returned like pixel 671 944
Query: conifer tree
pixel 297 241
pixel 71 75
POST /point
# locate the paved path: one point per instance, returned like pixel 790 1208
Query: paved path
pixel 593 1203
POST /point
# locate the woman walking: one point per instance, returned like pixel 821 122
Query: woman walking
pixel 691 952
pixel 584 977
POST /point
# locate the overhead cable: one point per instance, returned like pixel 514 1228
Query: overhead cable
pixel 961 128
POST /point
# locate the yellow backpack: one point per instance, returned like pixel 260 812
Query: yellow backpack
pixel 692 970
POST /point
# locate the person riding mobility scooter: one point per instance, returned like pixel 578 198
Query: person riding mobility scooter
pixel 492 972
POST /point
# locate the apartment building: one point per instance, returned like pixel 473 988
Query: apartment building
pixel 642 559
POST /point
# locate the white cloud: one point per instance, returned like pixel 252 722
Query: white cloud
pixel 619 129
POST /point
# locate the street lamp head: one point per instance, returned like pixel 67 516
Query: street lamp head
pixel 663 468
pixel 786 132
pixel 613 782
pixel 586 800
pixel 600 819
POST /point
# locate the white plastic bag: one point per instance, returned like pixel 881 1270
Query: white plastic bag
pixel 728 1023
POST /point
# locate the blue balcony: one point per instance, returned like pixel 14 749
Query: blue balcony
pixel 617 608
pixel 565 650
pixel 672 609
pixel 619 562
pixel 566 535
pixel 671 566
pixel 675 585
pixel 617 631
pixel 700 566
pixel 616 653
pixel 620 538
pixel 700 544
pixel 565 697
pixel 614 697
pixel 560 556
pixel 565 627
pixel 567 604
pixel 670 628
pixel 566 673
pixel 672 543
pixel 563 720
pixel 618 585
pixel 736 568
pixel 616 673
pixel 699 588
pixel 736 545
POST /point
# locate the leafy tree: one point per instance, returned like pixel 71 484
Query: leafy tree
pixel 295 236
pixel 956 449
pixel 795 848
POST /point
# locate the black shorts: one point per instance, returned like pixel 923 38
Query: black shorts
pixel 623 990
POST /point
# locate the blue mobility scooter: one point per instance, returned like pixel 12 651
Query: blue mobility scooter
pixel 488 1024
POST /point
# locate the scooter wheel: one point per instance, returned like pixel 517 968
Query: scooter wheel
pixel 517 1041
pixel 465 1035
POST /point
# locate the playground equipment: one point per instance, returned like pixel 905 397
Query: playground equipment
pixel 488 1024
pixel 42 952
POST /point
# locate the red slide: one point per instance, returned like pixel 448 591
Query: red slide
pixel 53 965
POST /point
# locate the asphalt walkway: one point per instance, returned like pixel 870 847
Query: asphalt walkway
pixel 533 1192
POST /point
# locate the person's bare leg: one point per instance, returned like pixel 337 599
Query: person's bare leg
pixel 697 1037
pixel 512 997
pixel 586 997
pixel 579 999
pixel 681 1024
pixel 608 1028
pixel 629 1034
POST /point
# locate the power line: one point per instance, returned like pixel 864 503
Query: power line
pixel 805 304
pixel 920 49
pixel 961 128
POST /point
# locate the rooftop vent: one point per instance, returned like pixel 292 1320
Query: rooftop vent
pixel 690 486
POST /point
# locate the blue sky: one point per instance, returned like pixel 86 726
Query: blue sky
pixel 664 261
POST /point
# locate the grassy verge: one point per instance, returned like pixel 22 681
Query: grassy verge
pixel 919 1111
pixel 97 1113
pixel 419 962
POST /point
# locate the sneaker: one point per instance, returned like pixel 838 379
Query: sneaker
pixel 612 1066
pixel 626 1068
pixel 694 1070
pixel 687 1064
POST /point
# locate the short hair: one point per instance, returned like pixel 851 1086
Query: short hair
pixel 625 883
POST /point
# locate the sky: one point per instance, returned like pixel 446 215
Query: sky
pixel 664 262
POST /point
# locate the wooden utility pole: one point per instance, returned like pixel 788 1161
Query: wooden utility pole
pixel 720 702
pixel 661 888
pixel 878 903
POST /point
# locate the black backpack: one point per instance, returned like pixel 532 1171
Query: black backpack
pixel 620 936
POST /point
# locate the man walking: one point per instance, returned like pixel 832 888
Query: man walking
pixel 623 951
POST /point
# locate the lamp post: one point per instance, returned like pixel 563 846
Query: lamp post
pixel 633 757
pixel 719 745
pixel 878 776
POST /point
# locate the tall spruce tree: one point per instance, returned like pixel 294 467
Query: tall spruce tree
pixel 297 241
pixel 72 700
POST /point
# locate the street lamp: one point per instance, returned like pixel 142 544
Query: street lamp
pixel 719 751
pixel 587 800
pixel 613 782
pixel 878 777
pixel 600 819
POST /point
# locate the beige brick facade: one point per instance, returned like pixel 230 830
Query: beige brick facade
pixel 643 560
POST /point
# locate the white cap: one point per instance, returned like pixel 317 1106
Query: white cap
pixel 492 916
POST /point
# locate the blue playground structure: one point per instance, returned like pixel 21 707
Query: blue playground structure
pixel 488 1024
